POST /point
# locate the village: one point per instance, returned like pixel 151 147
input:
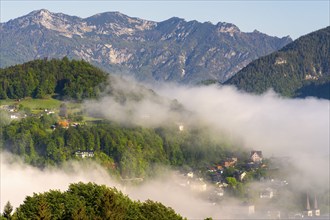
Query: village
pixel 215 183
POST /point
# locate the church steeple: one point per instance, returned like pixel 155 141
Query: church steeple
pixel 308 212
pixel 315 203
pixel 316 208
pixel 308 206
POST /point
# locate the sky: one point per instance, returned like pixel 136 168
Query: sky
pixel 276 18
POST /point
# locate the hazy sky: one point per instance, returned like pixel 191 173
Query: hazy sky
pixel 276 18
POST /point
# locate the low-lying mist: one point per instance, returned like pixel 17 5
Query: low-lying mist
pixel 19 180
pixel 280 127
pixel 295 128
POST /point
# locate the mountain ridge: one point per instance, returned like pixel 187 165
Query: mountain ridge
pixel 299 69
pixel 173 50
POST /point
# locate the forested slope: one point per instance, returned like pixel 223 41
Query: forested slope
pixel 300 69
pixel 39 78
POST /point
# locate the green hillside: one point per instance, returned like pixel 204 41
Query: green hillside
pixel 300 69
pixel 63 78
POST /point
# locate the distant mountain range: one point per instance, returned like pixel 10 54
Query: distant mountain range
pixel 173 50
pixel 300 69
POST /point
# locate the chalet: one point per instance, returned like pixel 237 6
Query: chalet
pixel 84 154
pixel 256 156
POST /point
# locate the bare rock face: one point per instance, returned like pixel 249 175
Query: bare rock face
pixel 173 50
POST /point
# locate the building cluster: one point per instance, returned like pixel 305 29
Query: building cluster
pixel 12 111
pixel 311 211
pixel 84 154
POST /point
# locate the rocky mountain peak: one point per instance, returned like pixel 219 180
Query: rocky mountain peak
pixel 170 50
pixel 118 23
pixel 223 27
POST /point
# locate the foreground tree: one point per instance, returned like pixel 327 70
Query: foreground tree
pixel 90 201
pixel 7 210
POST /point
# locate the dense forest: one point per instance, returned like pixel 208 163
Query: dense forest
pixel 39 78
pixel 300 69
pixel 88 201
pixel 130 151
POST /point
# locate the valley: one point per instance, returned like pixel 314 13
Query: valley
pixel 107 115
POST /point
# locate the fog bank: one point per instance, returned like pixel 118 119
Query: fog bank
pixel 298 128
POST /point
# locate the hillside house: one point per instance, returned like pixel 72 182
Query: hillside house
pixel 190 175
pixel 64 124
pixel 241 176
pixel 84 154
pixel 14 116
pixel 256 156
pixel 230 162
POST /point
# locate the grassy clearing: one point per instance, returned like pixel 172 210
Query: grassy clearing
pixel 37 107
pixel 47 103
pixel 37 104
pixel 40 103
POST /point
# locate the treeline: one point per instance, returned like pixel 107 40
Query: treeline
pixel 130 151
pixel 39 78
pixel 300 69
pixel 89 201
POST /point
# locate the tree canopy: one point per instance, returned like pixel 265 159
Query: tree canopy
pixel 90 201
pixel 38 78
pixel 300 69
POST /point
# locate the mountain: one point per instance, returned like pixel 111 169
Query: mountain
pixel 172 50
pixel 300 69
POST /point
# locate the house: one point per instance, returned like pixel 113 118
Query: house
pixel 229 162
pixel 267 193
pixel 14 116
pixel 211 169
pixel 256 156
pixel 190 174
pixel 64 124
pixel 219 168
pixel 84 154
pixel 241 176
